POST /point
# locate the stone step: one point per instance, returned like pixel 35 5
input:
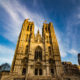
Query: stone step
pixel 40 78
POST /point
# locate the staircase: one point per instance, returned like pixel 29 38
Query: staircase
pixel 40 78
pixel 13 76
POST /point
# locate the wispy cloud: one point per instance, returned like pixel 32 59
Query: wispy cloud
pixel 73 30
pixel 73 52
pixel 62 47
pixel 5 50
pixel 70 39
pixel 17 13
pixel 17 16
pixel 6 60
pixel 6 54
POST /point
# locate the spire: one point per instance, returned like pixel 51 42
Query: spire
pixel 45 21
pixel 38 36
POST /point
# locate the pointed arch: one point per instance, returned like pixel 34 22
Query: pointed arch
pixel 38 53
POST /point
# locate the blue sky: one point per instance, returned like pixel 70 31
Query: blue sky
pixel 64 14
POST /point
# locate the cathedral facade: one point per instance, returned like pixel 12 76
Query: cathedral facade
pixel 37 57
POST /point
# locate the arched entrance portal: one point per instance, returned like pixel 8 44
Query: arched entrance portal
pixel 38 59
pixel 38 68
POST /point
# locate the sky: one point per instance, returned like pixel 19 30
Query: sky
pixel 64 14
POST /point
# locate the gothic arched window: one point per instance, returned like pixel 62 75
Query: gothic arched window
pixel 52 71
pixel 27 49
pixel 38 53
pixel 28 28
pixel 24 71
pixel 38 71
pixel 31 28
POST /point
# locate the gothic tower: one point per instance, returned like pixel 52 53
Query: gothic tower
pixel 51 50
pixel 36 56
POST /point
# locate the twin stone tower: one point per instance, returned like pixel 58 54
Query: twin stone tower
pixel 36 57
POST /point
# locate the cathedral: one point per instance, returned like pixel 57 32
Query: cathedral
pixel 37 57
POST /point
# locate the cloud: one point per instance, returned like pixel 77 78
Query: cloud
pixel 5 50
pixel 17 13
pixel 73 30
pixel 68 41
pixel 61 42
pixel 17 16
pixel 6 54
pixel 73 52
pixel 5 60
